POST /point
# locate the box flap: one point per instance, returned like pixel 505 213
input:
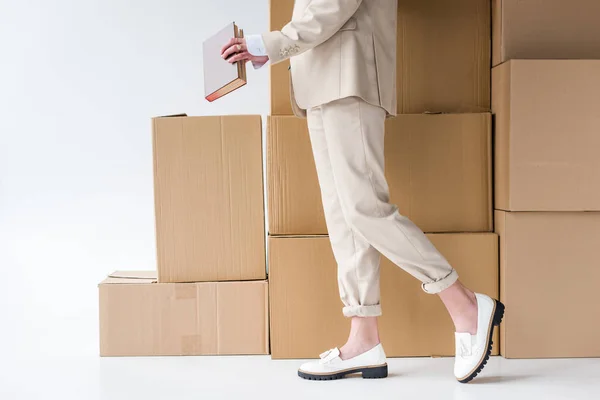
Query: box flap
pixel 172 116
pixel 120 277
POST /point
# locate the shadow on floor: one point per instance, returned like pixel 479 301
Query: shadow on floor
pixel 499 379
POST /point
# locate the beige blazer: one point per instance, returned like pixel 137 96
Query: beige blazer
pixel 339 48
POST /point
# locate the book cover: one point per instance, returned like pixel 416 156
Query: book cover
pixel 221 77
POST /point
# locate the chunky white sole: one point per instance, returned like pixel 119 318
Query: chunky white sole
pixel 370 372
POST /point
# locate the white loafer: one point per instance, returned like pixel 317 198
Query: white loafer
pixel 473 351
pixel 372 364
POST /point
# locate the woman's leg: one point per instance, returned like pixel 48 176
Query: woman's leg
pixel 358 286
pixel 350 133
pixel 354 134
pixel 355 138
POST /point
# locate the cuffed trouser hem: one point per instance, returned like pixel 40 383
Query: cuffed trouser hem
pixel 442 284
pixel 362 311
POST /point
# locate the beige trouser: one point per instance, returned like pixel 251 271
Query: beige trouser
pixel 347 140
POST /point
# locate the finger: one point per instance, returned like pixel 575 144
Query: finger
pixel 231 50
pixel 231 42
pixel 236 48
pixel 239 57
pixel 227 45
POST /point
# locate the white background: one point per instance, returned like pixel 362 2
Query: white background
pixel 79 83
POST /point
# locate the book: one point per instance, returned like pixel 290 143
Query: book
pixel 221 77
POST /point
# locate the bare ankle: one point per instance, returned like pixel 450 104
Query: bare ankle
pixel 461 304
pixel 364 335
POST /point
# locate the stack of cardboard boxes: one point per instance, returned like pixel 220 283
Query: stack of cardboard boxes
pixel 210 295
pixel 438 165
pixel 546 97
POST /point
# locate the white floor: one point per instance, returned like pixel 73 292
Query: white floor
pixel 71 377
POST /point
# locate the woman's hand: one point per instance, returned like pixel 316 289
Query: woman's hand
pixel 237 50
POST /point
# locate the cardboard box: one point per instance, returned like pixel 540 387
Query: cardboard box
pixel 305 309
pixel 303 284
pixel 547 135
pixel 443 56
pixel 209 198
pixel 443 53
pixel 139 317
pixel 438 169
pixel 293 192
pixel 549 29
pixel 549 271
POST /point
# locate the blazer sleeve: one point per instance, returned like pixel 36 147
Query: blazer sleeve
pixel 320 20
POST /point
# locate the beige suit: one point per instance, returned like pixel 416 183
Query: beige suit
pixel 339 48
pixel 343 72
